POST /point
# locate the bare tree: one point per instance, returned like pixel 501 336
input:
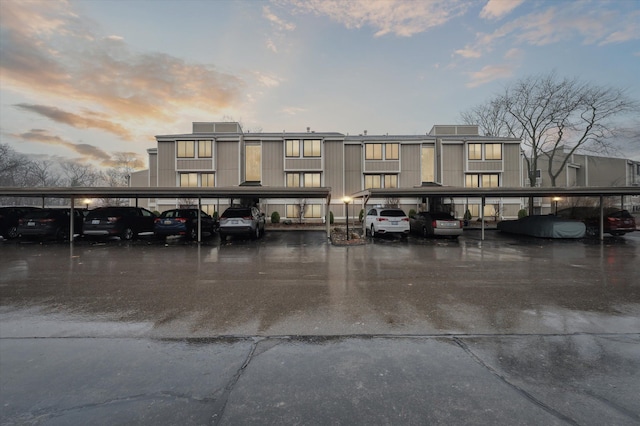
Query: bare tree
pixel 554 118
pixel 77 174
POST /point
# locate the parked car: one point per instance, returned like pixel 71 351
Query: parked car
pixel 184 222
pixel 50 223
pixel 430 224
pixel 123 222
pixel 9 217
pixel 616 221
pixel 237 220
pixel 386 220
pixel 541 226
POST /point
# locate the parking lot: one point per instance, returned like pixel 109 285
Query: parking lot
pixel 290 329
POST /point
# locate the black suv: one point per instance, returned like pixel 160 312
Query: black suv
pixel 123 222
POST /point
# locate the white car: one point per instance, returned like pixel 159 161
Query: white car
pixel 386 220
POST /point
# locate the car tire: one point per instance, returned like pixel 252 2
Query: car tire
pixel 127 234
pixel 60 234
pixel 12 232
pixel 223 237
pixel 256 234
pixel 425 232
pixel 193 234
pixel 373 232
pixel 591 231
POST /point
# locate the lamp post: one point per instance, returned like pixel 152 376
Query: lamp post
pixel 556 199
pixel 87 202
pixel 346 201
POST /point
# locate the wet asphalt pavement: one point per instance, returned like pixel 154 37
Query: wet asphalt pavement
pixel 291 329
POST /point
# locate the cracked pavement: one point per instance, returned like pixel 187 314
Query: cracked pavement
pixel 292 330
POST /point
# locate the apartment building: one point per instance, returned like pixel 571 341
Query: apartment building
pixel 220 154
pixel 584 170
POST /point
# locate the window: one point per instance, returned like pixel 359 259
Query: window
pixel 292 148
pixel 186 149
pixel 474 151
pixel 489 180
pixel 292 210
pixel 207 180
pixel 373 151
pixel 493 151
pixel 312 180
pixel 189 180
pixel 392 151
pixel 311 148
pixel 253 163
pixel 204 149
pixel 313 211
pixel 372 181
pixel 428 164
pixel 293 180
pixel 390 181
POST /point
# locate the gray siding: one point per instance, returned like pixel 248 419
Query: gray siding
pixel 333 166
pixel 273 163
pixel 195 164
pixel 166 164
pixel 373 166
pixel 228 163
pixel 411 174
pixel 352 170
pixel 153 170
pixel 485 166
pixel 453 165
pixel 511 175
pixel 303 164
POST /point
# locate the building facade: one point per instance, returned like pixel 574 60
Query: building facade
pixel 588 171
pixel 220 154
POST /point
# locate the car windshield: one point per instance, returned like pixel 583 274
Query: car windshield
pixel 106 212
pixel 392 213
pixel 623 214
pixel 237 213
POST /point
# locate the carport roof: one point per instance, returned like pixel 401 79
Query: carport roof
pixel 448 191
pixel 169 192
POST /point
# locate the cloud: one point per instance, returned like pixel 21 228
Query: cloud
pixel 496 9
pixel 87 152
pixel 293 110
pixel 268 80
pixel 591 22
pixel 402 18
pixel 47 51
pixel 489 73
pixel 80 122
pixel 276 21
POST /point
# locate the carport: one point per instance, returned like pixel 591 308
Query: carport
pixel 234 192
pixel 484 193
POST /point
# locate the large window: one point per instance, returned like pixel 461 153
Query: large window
pixel 428 164
pixel 207 180
pixel 253 163
pixel 292 210
pixel 292 148
pixel 311 148
pixel 189 179
pixel 391 151
pixel 373 151
pixel 493 151
pixel 304 179
pixel 474 151
pixel 380 181
pixel 486 180
pixel 313 211
pixel 380 151
pixel 186 149
pixel 204 149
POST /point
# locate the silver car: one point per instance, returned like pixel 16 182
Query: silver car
pixel 435 224
pixel 245 221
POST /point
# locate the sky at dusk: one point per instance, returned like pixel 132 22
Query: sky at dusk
pixel 86 79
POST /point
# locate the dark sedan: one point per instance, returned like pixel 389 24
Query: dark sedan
pixel 9 218
pixel 616 222
pixel 123 222
pixel 184 222
pixel 49 223
pixel 430 224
